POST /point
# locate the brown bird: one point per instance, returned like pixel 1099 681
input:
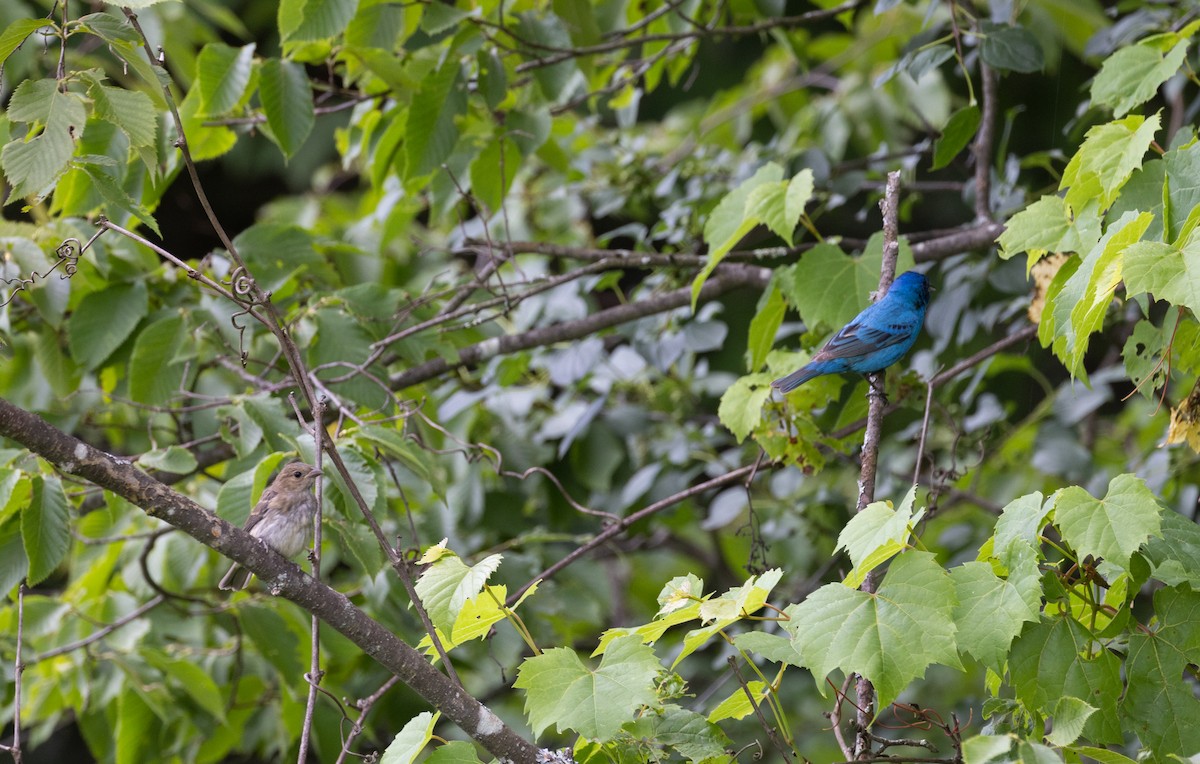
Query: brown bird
pixel 282 518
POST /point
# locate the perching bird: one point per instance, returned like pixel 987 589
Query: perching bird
pixel 875 339
pixel 283 518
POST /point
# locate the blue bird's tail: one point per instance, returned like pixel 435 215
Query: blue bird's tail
pixel 796 378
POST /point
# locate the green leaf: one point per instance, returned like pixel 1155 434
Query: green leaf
pixel 1162 707
pixel 492 172
pixel 309 20
pixel 1173 555
pixel 130 110
pixel 14 565
pixel 1109 155
pixel 115 196
pixel 829 288
pixel 737 705
pixel 134 723
pixel 438 17
pixel 768 317
pixel 890 637
pixel 222 75
pixel 15 33
pixel 721 612
pixel 1012 48
pixel 287 101
pixel 877 534
pixel 982 749
pixel 454 752
pixel 1070 714
pixel 731 220
pixel 431 131
pixel 59 370
pixel 45 528
pixel 694 737
pixel 411 739
pixel 154 375
pixel 1101 755
pixel 176 459
pixel 741 405
pixel 992 610
pixel 1077 310
pixel 104 320
pixel 561 690
pixel 548 30
pixel 957 133
pixel 1055 658
pixel 275 639
pixel 1133 74
pixel 447 585
pixel 191 679
pixel 1112 528
pixel 1048 225
pixel 1169 273
pixel 343 343
pixel 56 120
pixel 779 205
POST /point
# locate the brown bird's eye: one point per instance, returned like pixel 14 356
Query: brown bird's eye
pixel 296 474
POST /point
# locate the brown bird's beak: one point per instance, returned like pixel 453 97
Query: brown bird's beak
pixel 313 472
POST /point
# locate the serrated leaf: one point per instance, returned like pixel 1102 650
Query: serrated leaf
pixel 729 221
pixel 447 585
pixel 431 131
pixel 454 752
pixel 1053 659
pixel 1048 225
pixel 1109 155
pixel 721 612
pixel 411 739
pixel 222 75
pixel 314 19
pixel 740 408
pixel 1133 74
pixel 154 375
pixel 34 162
pixel 190 679
pixel 737 704
pixel 1173 555
pixel 992 610
pixel 877 534
pixel 14 565
pixel 174 459
pixel 1162 709
pixel 829 288
pixel 104 320
pixel 130 110
pixel 561 690
pixel 1112 528
pixel 15 33
pixel 1168 272
pixel 287 102
pixel 890 637
pixel 1070 714
pixel 45 528
pixel 274 638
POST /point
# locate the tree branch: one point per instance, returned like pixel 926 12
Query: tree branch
pixel 283 577
pixel 727 278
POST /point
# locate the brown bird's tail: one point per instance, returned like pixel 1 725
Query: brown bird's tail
pixel 235 579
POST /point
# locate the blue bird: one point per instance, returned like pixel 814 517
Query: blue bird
pixel 875 339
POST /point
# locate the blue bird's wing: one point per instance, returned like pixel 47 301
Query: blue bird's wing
pixel 857 339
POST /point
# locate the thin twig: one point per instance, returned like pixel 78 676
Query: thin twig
pixel 314 675
pixel 104 631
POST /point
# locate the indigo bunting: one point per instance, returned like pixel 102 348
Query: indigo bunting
pixel 282 518
pixel 875 339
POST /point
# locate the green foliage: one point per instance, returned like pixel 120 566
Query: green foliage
pixel 486 229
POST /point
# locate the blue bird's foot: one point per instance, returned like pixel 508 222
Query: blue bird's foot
pixel 877 389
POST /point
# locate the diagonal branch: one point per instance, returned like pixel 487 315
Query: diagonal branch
pixel 281 576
